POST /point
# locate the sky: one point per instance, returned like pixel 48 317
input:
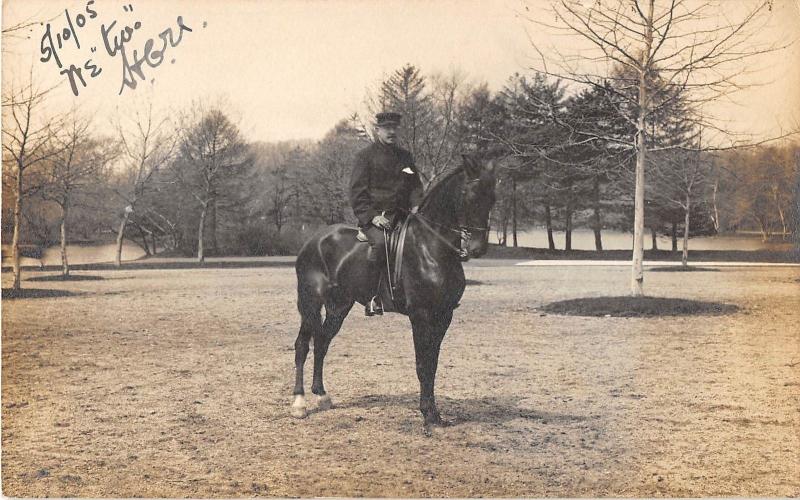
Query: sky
pixel 292 69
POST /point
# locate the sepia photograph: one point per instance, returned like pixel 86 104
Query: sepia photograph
pixel 404 249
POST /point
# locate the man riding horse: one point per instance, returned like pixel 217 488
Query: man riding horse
pixel 385 186
pixel 450 226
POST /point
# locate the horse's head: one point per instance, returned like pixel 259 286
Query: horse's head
pixel 479 197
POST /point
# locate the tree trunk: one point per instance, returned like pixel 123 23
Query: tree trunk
pixel 514 210
pixel 685 256
pixel 153 243
pixel 64 261
pixel 598 241
pixel 714 202
pixel 568 229
pixel 121 234
pixel 763 224
pixel 145 246
pixel 200 255
pixel 213 226
pixel 764 235
pixel 17 228
pixel 654 237
pixel 674 236
pixel 548 220
pixel 782 217
pixel 637 272
pixel 504 242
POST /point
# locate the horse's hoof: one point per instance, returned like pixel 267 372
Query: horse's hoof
pixel 324 402
pixel 299 407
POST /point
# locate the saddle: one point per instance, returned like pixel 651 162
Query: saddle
pixel 392 297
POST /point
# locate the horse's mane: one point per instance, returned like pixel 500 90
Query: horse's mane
pixel 433 190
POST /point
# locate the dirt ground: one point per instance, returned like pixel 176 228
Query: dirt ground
pixel 177 383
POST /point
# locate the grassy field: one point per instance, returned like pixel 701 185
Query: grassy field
pixel 178 383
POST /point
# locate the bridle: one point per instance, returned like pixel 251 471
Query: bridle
pixel 464 230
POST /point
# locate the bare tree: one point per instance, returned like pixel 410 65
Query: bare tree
pixel 80 161
pixel 443 140
pixel 684 177
pixel 27 144
pixel 281 170
pixel 211 150
pixel 280 196
pixel 675 48
pixel 326 185
pixel 147 145
pixel 780 166
pixel 762 188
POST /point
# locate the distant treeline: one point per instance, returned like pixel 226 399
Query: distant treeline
pixel 193 185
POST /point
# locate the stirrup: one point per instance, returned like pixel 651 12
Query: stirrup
pixel 374 307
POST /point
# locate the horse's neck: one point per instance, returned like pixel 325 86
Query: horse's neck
pixel 437 228
pixel 445 202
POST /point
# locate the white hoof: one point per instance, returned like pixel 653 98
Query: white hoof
pixel 299 407
pixel 324 402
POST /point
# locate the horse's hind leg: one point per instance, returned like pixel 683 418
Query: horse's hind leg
pixel 311 324
pixel 334 317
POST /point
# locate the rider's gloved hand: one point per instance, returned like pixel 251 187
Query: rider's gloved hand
pixel 381 222
pixel 415 209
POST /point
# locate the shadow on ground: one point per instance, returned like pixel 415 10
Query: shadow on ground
pixel 61 277
pixel 490 410
pixel 682 269
pixel 631 307
pixel 35 293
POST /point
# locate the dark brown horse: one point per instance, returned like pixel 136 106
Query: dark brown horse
pixel 451 225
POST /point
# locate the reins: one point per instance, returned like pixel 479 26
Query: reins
pixel 464 230
pixel 427 223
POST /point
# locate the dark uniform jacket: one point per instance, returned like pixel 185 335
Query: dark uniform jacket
pixel 384 178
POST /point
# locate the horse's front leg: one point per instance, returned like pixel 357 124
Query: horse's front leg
pixel 429 329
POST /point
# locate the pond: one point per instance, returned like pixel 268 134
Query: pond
pixel 583 239
pixel 80 254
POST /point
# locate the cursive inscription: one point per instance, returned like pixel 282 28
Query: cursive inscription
pixel 118 38
pixel 152 55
